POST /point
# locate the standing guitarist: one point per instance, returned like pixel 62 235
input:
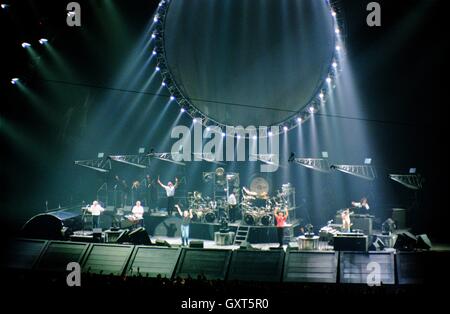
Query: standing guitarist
pixel 346 223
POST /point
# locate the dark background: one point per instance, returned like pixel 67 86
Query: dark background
pixel 397 69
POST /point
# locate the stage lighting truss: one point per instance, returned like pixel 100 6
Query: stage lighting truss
pixel 318 164
pixel 99 164
pixel 316 102
pixel 411 181
pixel 140 161
pixel 361 171
pixel 269 159
pixel 168 157
pixel 208 157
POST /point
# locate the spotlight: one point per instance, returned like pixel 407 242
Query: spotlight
pixel 321 95
pixel 270 133
pixel 195 120
pixel 311 109
pixel 43 41
pixel 285 128
pixel 163 84
pixel 333 13
pixel 153 36
pixel 157 69
pixel 299 120
pixel 154 52
pixel 238 137
pixel 182 110
pixel 223 134
pixel 4 6
pixel 328 80
pixel 14 81
pixel 337 31
pixel 25 45
pixel 172 98
pixel 155 19
pixel 338 48
pixel 334 64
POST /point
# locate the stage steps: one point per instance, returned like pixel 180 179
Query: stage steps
pixel 241 235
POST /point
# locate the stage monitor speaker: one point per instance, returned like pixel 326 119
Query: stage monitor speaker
pixel 246 246
pixel 22 254
pixel 355 267
pixel 160 242
pixel 107 259
pixel 196 244
pixel 350 243
pixel 123 237
pixel 139 236
pixel 377 245
pixel 153 261
pixel 58 254
pixel 113 236
pixel 423 242
pixel 255 265
pixel 406 241
pixel 213 264
pixel 302 266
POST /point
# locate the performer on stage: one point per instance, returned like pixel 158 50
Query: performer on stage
pixel 96 209
pixel 362 203
pixel 135 191
pixel 138 213
pixel 232 206
pixel 170 192
pixel 186 216
pixel 346 223
pixel 281 223
pixel 150 192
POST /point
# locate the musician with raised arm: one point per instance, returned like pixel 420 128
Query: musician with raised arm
pixel 186 217
pixel 170 193
pixel 346 223
pixel 95 209
pixel 280 218
pixel 362 203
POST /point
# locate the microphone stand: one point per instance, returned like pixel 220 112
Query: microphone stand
pixel 83 218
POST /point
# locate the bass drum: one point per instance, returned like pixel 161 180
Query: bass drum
pixel 266 220
pixel 210 217
pixel 197 216
pixel 251 218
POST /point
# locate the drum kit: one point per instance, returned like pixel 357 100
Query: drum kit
pixel 260 215
pixel 203 208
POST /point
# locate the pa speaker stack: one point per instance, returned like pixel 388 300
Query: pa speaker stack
pixel 406 241
pixel 139 237
pixel 423 242
pixel 377 245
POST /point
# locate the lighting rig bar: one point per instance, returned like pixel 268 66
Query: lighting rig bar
pixel 98 164
pixel 318 164
pixel 411 181
pixel 361 171
pixel 140 161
